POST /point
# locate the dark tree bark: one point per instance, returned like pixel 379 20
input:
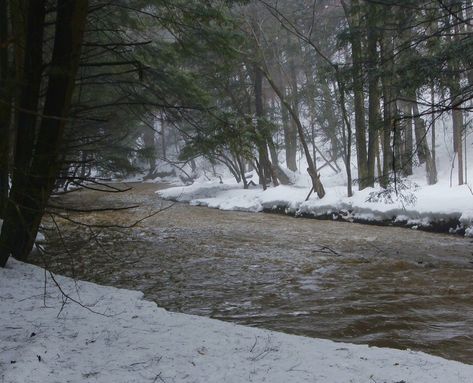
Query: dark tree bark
pixel 290 134
pixel 457 113
pixel 353 15
pixel 346 134
pixel 22 220
pixel 389 107
pixel 27 107
pixel 5 101
pixel 422 147
pixel 374 117
pixel 405 137
pixel 150 147
pixel 265 171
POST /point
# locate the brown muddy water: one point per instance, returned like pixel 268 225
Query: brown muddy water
pixel 383 286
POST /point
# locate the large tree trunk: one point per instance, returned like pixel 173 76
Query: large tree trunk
pixel 265 171
pixel 290 129
pixel 455 89
pixel 374 117
pixel 389 107
pixel 457 117
pixel 346 134
pixel 5 110
pixel 353 15
pixel 405 137
pixel 433 133
pixel 27 106
pixel 289 147
pixel 19 229
pixel 457 113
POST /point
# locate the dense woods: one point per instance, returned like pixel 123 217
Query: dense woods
pixel 93 90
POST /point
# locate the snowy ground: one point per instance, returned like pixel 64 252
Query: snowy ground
pixel 416 206
pixel 46 338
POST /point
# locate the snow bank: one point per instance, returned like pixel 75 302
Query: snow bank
pixel 440 206
pixel 45 338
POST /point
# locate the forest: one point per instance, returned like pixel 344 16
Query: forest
pixel 343 110
pixel 95 89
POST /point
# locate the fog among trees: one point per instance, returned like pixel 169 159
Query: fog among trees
pixel 98 90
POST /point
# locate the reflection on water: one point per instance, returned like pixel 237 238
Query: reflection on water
pixel 364 284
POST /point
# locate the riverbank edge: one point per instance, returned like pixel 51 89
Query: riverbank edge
pixel 106 334
pixel 448 224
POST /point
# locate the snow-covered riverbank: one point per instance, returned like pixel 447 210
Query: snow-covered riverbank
pixel 45 338
pixel 437 208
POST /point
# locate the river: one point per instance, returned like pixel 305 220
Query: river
pixel 384 286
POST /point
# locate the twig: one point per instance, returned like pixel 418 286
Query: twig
pixel 67 296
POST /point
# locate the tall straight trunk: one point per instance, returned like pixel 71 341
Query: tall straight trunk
pixel 290 145
pixel 457 115
pixel 457 118
pixel 19 230
pixel 469 30
pixel 434 159
pixel 408 148
pixel 5 109
pixel 422 147
pixel 374 117
pixel 388 107
pixel 456 100
pixel 27 100
pixel 346 134
pixel 150 147
pixel 290 135
pixel 455 89
pixel 265 172
pixel 353 15
pixel 332 122
pixel 162 121
pixel 19 25
pixel 405 137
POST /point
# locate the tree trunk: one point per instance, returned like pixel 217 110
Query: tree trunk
pixel 150 148
pixel 405 137
pixel 346 134
pixel 388 107
pixel 374 116
pixel 27 106
pixel 317 185
pixel 290 134
pixel 353 15
pixel 422 147
pixel 163 136
pixel 265 171
pixel 5 108
pixel 289 147
pixel 277 172
pixel 434 159
pixel 332 123
pixel 455 93
pixel 20 229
